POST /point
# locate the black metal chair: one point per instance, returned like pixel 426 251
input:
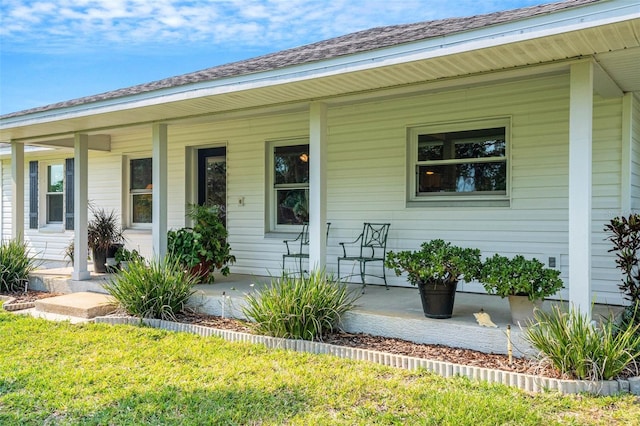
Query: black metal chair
pixel 299 248
pixel 372 244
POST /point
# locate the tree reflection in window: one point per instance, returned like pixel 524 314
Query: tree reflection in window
pixel 140 190
pixel 472 161
pixel 291 184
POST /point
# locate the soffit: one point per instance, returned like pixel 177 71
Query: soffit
pixel 616 47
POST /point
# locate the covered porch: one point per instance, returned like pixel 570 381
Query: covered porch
pixel 396 312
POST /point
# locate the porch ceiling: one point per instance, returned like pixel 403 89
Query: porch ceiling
pixel 616 47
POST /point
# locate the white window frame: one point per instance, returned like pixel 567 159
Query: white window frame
pixel 43 199
pixel 272 191
pixel 129 193
pixel 435 198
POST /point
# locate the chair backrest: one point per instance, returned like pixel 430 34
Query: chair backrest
pixel 304 235
pixel 374 235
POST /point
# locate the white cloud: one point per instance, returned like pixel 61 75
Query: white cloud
pixel 70 25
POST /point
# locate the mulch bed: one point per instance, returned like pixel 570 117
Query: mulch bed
pixel 393 345
pixel 29 296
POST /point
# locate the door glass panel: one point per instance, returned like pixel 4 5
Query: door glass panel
pixel 216 184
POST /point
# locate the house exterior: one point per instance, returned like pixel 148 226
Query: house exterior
pixel 515 132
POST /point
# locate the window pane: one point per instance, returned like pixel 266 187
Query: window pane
pixel 141 173
pixel 141 208
pixel 429 149
pixel 54 208
pixel 55 176
pixel 291 164
pixel 480 143
pixel 481 148
pixel 216 184
pixel 292 207
pixel 472 177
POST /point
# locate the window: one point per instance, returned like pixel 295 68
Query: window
pixel 51 195
pixel 55 194
pixel 461 161
pixel 140 191
pixel 290 182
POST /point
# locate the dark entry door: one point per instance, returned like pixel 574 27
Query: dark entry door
pixel 212 179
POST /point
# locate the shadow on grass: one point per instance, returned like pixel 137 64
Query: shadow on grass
pixel 174 406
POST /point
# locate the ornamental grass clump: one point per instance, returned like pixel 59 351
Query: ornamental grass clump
pixel 15 266
pixel 159 289
pixel 581 349
pixel 299 307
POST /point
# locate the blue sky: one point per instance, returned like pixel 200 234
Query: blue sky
pixel 56 50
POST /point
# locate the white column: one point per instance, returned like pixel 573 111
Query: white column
pixel 17 191
pixel 580 158
pixel 159 208
pixel 627 154
pixel 80 206
pixel 317 185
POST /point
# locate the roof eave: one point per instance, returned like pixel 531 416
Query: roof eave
pixel 564 21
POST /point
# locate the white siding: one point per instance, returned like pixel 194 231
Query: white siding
pixel 367 174
pixel 367 177
pixel 4 193
pixel 635 147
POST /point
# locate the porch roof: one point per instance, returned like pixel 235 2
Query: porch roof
pixel 354 65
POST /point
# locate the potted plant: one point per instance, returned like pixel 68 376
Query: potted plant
pixel 203 247
pixel 104 237
pixel 436 269
pixel 526 282
pixel 124 256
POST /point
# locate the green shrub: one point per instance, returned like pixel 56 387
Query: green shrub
pixel 579 348
pixel 299 307
pixel 15 266
pixel 160 289
pixel 519 277
pixel 625 237
pixel 204 247
pixel 437 261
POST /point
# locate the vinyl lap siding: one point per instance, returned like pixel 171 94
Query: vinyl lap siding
pixel 367 174
pixel 635 147
pixel 5 200
pixel 257 251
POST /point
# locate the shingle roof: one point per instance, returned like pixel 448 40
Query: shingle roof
pixel 361 41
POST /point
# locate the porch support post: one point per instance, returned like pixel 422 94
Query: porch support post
pixel 17 191
pixel 80 206
pixel 159 178
pixel 627 154
pixel 580 164
pixel 317 185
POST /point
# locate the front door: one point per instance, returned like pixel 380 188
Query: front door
pixel 212 179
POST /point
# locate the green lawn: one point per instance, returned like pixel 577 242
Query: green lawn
pixel 58 373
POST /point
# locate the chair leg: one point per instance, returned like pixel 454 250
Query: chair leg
pixel 384 277
pixel 363 271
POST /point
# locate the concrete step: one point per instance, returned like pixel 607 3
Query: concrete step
pixel 81 305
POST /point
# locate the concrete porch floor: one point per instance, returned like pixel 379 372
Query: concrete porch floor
pixel 396 312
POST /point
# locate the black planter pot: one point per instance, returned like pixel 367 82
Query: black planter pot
pixel 113 248
pixel 100 261
pixel 437 299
